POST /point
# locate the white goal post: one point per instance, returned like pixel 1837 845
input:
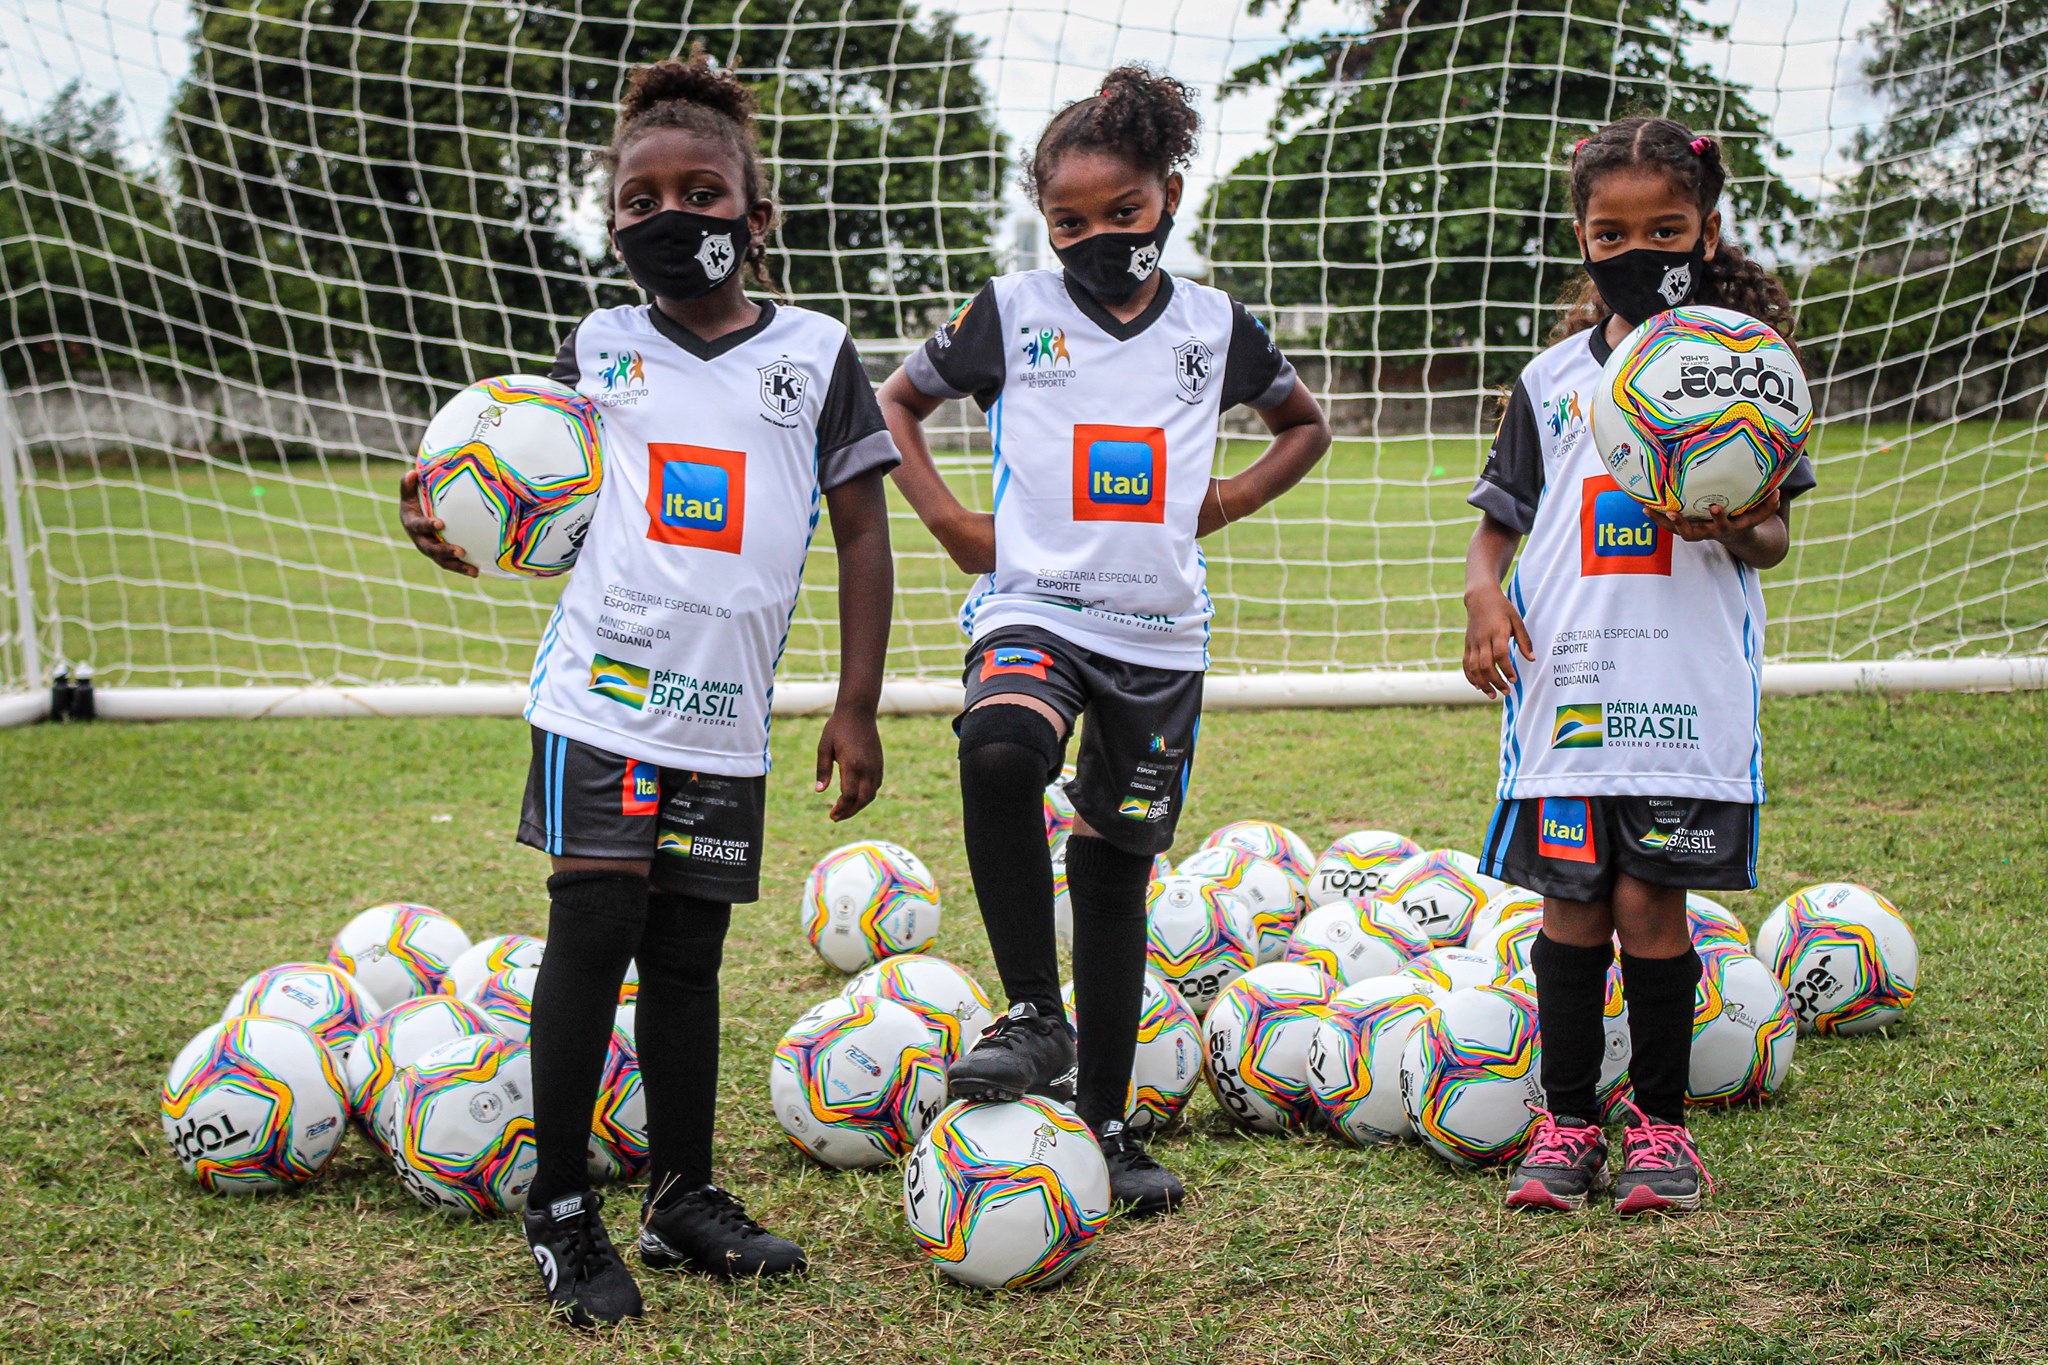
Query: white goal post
pixel 244 249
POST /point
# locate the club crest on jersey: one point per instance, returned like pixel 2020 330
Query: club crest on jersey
pixel 640 792
pixel 1046 346
pixel 1563 411
pixel 1119 473
pixel 1192 361
pixel 625 378
pixel 697 496
pixel 1616 535
pixel 1580 725
pixel 619 681
pixel 782 391
pixel 1564 829
pixel 1014 660
pixel 717 255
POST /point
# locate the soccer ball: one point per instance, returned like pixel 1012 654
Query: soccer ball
pixel 951 1003
pixel 1274 843
pixel 1059 813
pixel 1712 923
pixel 1357 865
pixel 1442 891
pixel 1743 1031
pixel 629 986
pixel 1199 937
pixel 1701 408
pixel 867 901
pixel 393 1041
pixel 398 951
pixel 1260 884
pixel 1006 1196
pixel 1617 1044
pixel 856 1080
pixel 1354 1057
pixel 1510 942
pixel 1847 957
pixel 1469 1076
pixel 506 1000
pixel 1506 903
pixel 461 1122
pixel 252 1104
pixel 1351 940
pixel 512 465
pixel 1452 969
pixel 489 955
pixel 1168 1062
pixel 325 999
pixel 1255 1044
pixel 618 1122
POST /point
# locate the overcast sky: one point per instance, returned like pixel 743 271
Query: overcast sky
pixel 1800 57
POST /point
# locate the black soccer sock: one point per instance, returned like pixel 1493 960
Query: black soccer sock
pixel 677 1028
pixel 594 924
pixel 1007 755
pixel 1108 888
pixel 1571 986
pixel 1660 991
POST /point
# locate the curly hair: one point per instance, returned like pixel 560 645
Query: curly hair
pixel 1144 116
pixel 692 94
pixel 1694 165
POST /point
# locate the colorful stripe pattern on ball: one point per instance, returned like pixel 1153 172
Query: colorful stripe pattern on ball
pixel 242 1153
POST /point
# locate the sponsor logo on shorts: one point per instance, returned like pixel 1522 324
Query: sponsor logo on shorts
pixel 1119 473
pixel 1014 661
pixel 697 496
pixel 1564 829
pixel 1134 808
pixel 1581 725
pixel 640 793
pixel 618 680
pixel 1680 840
pixel 704 848
pixel 1616 535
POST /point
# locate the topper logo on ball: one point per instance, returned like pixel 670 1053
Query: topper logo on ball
pixel 195 1138
pixel 1699 378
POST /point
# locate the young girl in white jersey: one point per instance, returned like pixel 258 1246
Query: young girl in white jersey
pixel 1104 383
pixel 726 419
pixel 1631 762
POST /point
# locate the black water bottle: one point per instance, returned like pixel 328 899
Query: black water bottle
pixel 81 693
pixel 60 693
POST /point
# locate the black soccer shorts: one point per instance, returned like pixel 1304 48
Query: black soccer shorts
pixel 1574 847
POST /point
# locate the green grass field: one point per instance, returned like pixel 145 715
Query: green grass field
pixel 1891 1206
pixel 1927 540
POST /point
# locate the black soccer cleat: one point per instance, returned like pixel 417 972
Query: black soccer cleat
pixel 708 1231
pixel 1022 1053
pixel 587 1281
pixel 1139 1185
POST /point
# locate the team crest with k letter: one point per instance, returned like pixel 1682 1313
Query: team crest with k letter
pixel 782 392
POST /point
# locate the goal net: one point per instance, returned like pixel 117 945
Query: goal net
pixel 246 246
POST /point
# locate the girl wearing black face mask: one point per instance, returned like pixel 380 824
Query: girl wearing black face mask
pixel 727 420
pixel 1613 614
pixel 1105 381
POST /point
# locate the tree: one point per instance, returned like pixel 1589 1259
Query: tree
pixel 1414 180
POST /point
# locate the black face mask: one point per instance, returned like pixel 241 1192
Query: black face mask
pixel 1641 283
pixel 681 255
pixel 1111 265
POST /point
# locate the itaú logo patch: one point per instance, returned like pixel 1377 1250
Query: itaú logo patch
pixel 1616 535
pixel 640 792
pixel 1564 829
pixel 1006 660
pixel 697 496
pixel 1119 473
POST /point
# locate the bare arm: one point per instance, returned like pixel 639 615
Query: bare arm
pixel 1493 628
pixel 969 538
pixel 1300 436
pixel 867 594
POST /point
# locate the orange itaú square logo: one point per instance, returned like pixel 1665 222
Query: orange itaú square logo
pixel 1119 473
pixel 697 496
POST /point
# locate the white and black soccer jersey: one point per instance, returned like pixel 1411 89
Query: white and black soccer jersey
pixel 1104 436
pixel 664 645
pixel 1649 649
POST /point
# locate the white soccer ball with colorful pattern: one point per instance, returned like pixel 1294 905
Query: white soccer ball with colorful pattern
pixel 1168 1063
pixel 1063 900
pixel 1713 924
pixel 1743 1031
pixel 512 465
pixel 1006 1196
pixel 1255 1042
pixel 1452 969
pixel 253 1104
pixel 618 1122
pixel 1357 865
pixel 1276 844
pixel 1266 890
pixel 951 1003
pixel 1509 943
pixel 399 950
pixel 1442 890
pixel 393 1041
pixel 1847 957
pixel 1469 1076
pixel 324 998
pixel 1354 1057
pixel 867 901
pixel 856 1081
pixel 1199 937
pixel 494 954
pixel 1351 940
pixel 1059 811
pixel 462 1126
pixel 506 999
pixel 1504 904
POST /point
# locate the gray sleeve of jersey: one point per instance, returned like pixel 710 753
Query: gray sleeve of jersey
pixel 1511 484
pixel 1255 373
pixel 567 369
pixel 965 357
pixel 852 437
pixel 1799 480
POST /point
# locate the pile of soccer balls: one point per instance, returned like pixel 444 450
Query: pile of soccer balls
pixel 412 1032
pixel 1379 992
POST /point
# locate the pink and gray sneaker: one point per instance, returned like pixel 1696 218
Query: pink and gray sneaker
pixel 1566 1162
pixel 1661 1171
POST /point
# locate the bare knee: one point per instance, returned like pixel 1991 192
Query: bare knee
pixel 1582 924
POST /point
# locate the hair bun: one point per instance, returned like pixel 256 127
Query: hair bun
pixel 693 80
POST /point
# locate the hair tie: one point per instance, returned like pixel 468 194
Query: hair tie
pixel 1580 143
pixel 1700 145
